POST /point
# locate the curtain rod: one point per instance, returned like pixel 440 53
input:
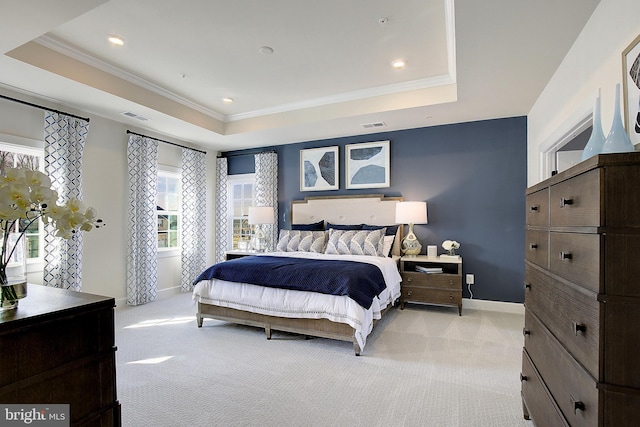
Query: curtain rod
pixel 43 107
pixel 250 153
pixel 166 142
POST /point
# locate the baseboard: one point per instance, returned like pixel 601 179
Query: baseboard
pixel 504 307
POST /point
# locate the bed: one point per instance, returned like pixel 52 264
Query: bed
pixel 306 312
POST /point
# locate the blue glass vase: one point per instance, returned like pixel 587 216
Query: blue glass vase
pixel 596 140
pixel 618 140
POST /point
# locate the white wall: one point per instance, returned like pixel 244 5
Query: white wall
pixel 594 61
pixel 105 188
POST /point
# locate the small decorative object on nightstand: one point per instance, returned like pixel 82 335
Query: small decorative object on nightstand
pixel 431 280
pixel 259 215
pixel 411 213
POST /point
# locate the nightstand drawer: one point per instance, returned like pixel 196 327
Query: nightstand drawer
pixel 430 295
pixel 440 281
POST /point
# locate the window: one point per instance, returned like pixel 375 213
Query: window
pixel 241 197
pixel 168 205
pixel 12 156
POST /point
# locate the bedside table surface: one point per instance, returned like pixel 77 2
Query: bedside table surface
pixel 425 258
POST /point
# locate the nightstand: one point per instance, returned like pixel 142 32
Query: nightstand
pixel 237 254
pixel 441 285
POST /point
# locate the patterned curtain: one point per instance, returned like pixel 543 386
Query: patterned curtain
pixel 64 139
pixel 267 191
pixel 222 209
pixel 194 210
pixel 142 260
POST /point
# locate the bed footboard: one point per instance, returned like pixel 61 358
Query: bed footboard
pixel 313 327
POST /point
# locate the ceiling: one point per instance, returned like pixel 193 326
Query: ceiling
pixel 329 73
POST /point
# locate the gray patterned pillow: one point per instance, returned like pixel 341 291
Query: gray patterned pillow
pixel 301 241
pixel 356 242
pixel 283 241
pixel 338 243
pixel 312 241
pixel 368 243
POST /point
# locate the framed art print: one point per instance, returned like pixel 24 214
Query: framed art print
pixel 319 169
pixel 367 165
pixel 631 89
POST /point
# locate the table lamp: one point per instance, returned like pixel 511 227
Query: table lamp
pixel 411 213
pixel 259 215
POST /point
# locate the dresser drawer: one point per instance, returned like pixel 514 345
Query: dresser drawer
pixel 571 315
pixel 576 201
pixel 440 281
pixel 536 398
pixel 576 257
pixel 537 247
pixel 572 388
pixel 434 296
pixel 538 208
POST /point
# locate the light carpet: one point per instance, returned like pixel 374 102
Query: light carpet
pixel 422 366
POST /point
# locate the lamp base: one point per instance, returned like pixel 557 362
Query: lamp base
pixel 410 244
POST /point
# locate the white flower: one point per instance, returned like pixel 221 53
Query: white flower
pixel 449 245
pixel 27 195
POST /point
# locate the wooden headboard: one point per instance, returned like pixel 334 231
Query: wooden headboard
pixel 373 209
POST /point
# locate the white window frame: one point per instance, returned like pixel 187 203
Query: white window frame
pixel 175 173
pixel 31 148
pixel 231 181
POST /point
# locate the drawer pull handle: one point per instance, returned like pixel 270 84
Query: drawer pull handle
pixel 409 293
pixel 523 377
pixel 451 297
pixel 533 208
pixel 565 255
pixel 526 332
pixel 527 285
pixel 577 405
pixel 579 327
pixel 409 279
pixel 565 202
pixel 533 246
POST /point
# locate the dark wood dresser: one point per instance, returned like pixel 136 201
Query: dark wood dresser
pixel 580 362
pixel 58 346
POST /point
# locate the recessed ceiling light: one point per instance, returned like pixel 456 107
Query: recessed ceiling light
pixel 266 50
pixel 398 63
pixel 227 100
pixel 116 40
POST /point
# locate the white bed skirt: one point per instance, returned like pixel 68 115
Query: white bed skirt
pixel 302 304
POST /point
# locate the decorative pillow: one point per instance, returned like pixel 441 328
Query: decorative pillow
pixel 344 226
pixel 387 245
pixel 355 242
pixel 367 243
pixel 301 241
pixel 283 240
pixel 316 226
pixel 338 243
pixel 391 232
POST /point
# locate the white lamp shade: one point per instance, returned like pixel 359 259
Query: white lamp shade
pixel 411 213
pixel 261 215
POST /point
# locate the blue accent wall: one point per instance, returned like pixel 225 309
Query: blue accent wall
pixel 473 178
